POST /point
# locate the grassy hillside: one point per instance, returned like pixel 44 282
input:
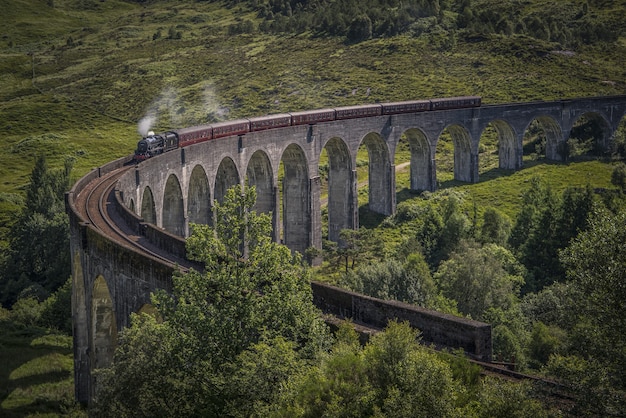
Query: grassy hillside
pixel 35 372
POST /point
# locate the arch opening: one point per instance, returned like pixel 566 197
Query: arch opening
pixel 199 198
pixel 590 136
pixel 173 207
pixel 497 148
pixel 295 200
pixel 259 175
pixel 413 161
pixel 340 177
pixel 453 155
pixel 103 326
pixel 227 176
pixel 541 140
pixel 379 192
pixel 148 208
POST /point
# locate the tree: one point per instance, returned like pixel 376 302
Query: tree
pixel 39 239
pixel 392 376
pixel 252 301
pixel 596 264
pixel 410 282
pixel 480 277
pixel 496 227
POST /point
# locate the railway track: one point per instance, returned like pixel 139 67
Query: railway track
pixel 97 205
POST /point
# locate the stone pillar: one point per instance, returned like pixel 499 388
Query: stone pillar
pixel 392 190
pixel 276 214
pixel 315 226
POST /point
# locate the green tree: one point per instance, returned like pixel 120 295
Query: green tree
pixel 253 300
pixel 39 240
pixel 596 265
pixel 410 282
pixel 480 277
pixel 496 227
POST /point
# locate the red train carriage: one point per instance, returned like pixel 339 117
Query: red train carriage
pixel 194 135
pixel 270 122
pixel 234 127
pixel 455 102
pixel 312 116
pixel 363 111
pixel 406 107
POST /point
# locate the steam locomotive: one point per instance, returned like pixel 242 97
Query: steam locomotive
pixel 155 144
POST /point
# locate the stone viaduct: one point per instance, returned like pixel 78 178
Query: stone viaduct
pixel 179 188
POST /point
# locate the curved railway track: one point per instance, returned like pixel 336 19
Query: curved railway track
pixel 97 205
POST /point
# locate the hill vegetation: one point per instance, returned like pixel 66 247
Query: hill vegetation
pixel 79 77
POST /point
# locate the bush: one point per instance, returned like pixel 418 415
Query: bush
pixel 26 311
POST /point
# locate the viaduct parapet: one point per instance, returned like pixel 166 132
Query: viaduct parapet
pixel 111 279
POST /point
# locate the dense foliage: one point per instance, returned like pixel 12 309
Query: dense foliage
pixel 199 358
pixel 38 260
pixel 566 23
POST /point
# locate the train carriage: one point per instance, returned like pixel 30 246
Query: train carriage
pixel 235 127
pixel 270 122
pixel 363 111
pixel 194 135
pixel 455 102
pixel 406 107
pixel 312 117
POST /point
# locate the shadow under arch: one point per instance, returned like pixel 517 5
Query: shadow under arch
pixel 148 208
pixel 226 177
pixel 103 325
pixel 296 211
pixel 591 133
pixel 340 188
pixel 553 136
pixel 259 174
pixel 379 179
pixel 199 197
pixel 173 207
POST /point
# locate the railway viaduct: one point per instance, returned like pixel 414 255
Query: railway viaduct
pixel 161 197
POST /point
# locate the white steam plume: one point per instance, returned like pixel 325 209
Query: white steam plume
pixel 145 124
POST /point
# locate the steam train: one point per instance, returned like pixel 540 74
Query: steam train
pixel 155 144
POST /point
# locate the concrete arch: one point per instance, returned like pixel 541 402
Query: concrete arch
pixel 341 188
pixel 421 164
pixel 103 325
pixel 381 192
pixel 148 208
pixel 296 199
pixel 260 175
pixel 226 177
pixel 173 207
pixel 554 136
pixel 461 140
pixel 199 197
pixel 509 147
pixel 602 144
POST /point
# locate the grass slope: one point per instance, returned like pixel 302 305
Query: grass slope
pixel 36 373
